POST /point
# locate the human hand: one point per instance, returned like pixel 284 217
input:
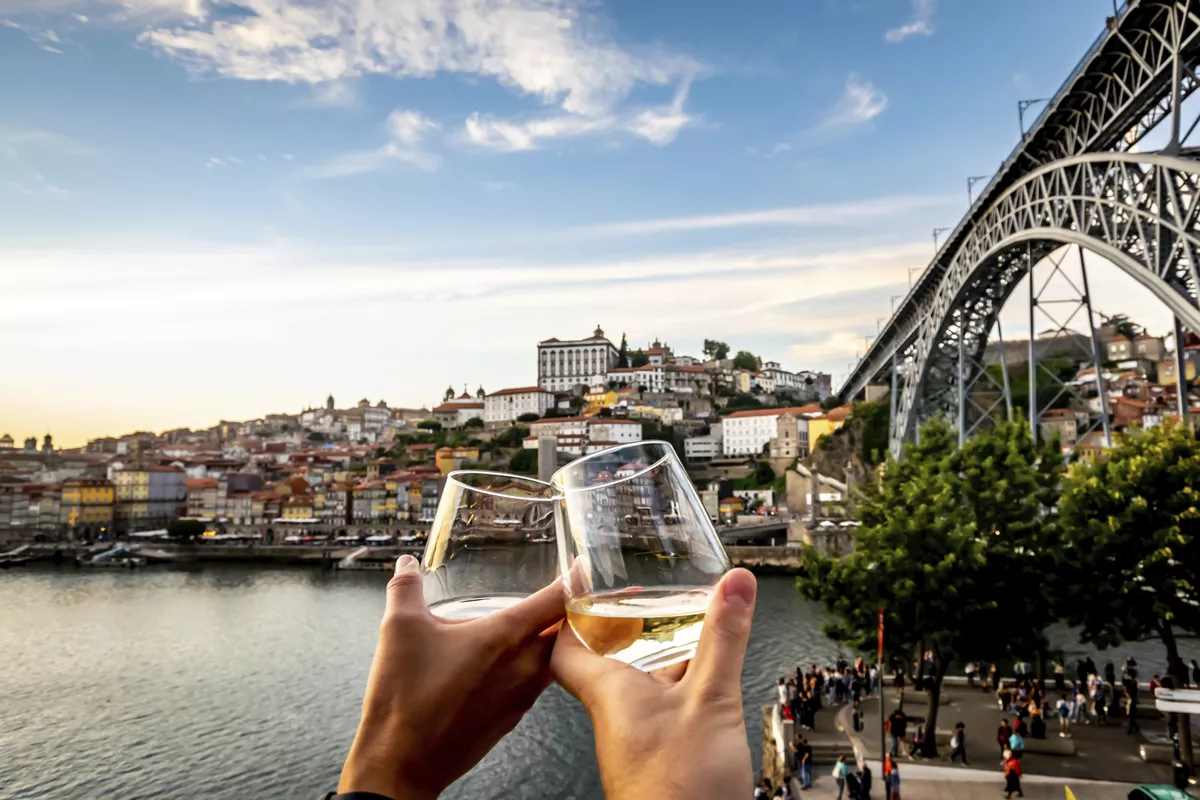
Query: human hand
pixel 441 694
pixel 677 732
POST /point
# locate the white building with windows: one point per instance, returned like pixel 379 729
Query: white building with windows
pixel 704 448
pixel 617 431
pixel 562 365
pixel 746 433
pixel 648 377
pixel 508 404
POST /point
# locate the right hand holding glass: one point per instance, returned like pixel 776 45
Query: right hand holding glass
pixel 678 732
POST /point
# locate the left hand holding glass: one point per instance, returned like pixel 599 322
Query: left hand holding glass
pixel 441 694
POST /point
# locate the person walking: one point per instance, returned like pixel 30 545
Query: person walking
pixel 804 755
pixel 1110 672
pixel 1012 775
pixel 893 781
pixel 1058 676
pixel 971 669
pixel 1002 735
pixel 839 776
pixel 1016 743
pixel 1037 725
pixel 864 781
pixel 994 674
pixel 1131 706
pixel 958 744
pixel 897 725
pixel 781 692
pixel 1064 718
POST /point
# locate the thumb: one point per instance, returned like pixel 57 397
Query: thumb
pixel 717 666
pixel 404 592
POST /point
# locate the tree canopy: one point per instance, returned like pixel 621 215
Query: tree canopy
pixel 745 360
pixel 639 359
pixel 623 354
pixel 529 417
pixel 524 462
pixel 715 350
pixel 429 425
pixel 474 423
pixel 946 548
pixel 185 528
pixel 513 436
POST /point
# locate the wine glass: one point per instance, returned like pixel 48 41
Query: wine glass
pixel 491 545
pixel 638 554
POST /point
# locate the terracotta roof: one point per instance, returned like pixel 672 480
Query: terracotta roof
pixel 545 420
pixel 691 369
pixel 1143 336
pixel 519 390
pixel 201 483
pixel 420 446
pixel 151 469
pixel 633 369
pixel 1119 338
pixel 839 413
pixel 774 412
pixel 611 421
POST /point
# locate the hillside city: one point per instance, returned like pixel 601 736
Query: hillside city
pixel 373 465
pixel 747 429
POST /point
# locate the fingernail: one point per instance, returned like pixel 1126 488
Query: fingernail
pixel 406 563
pixel 739 588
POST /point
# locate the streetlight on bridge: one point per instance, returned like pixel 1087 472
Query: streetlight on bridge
pixel 937 232
pixel 971 181
pixel 1022 107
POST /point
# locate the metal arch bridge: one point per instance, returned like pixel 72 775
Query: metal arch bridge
pixel 1072 180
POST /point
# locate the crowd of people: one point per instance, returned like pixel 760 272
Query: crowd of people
pixel 1094 696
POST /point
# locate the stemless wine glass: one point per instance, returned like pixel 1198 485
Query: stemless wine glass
pixel 638 554
pixel 491 545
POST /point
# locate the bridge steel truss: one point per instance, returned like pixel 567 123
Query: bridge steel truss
pixel 1072 180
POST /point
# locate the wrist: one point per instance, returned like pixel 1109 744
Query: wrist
pixel 366 773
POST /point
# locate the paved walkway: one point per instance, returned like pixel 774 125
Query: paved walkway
pixel 1103 753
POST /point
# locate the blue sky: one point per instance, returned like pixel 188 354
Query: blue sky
pixel 215 211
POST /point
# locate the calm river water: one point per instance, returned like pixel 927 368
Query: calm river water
pixel 236 683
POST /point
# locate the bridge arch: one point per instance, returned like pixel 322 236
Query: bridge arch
pixel 1141 212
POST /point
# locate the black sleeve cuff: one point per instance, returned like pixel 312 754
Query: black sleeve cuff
pixel 356 796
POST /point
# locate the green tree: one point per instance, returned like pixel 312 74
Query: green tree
pixel 524 462
pixel 185 528
pixel 639 359
pixel 715 350
pixel 745 360
pixel 623 354
pixel 429 425
pixel 316 436
pixel 474 423
pixel 831 402
pixel 513 436
pixel 577 403
pixel 763 475
pixel 743 402
pixel 946 533
pixel 1125 326
pixel 1130 546
pixel 875 421
pixel 528 418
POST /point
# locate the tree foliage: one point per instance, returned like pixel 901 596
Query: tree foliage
pixel 623 354
pixel 429 425
pixel 185 528
pixel 947 548
pixel 316 436
pixel 715 350
pixel 831 402
pixel 763 474
pixel 474 423
pixel 639 359
pixel 528 418
pixel 524 462
pixel 513 436
pixel 745 360
pixel 875 421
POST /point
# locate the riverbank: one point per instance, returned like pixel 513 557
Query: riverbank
pixel 761 560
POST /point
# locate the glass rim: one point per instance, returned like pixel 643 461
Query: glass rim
pixel 453 478
pixel 608 451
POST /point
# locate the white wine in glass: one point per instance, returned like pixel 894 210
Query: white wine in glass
pixel 649 629
pixel 638 553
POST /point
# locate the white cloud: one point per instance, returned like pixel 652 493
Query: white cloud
pixel 861 102
pixel 658 125
pixel 781 147
pixel 833 214
pixel 920 25
pixel 36 185
pixel 214 161
pixel 45 38
pixel 80 18
pixel 406 135
pixel 551 49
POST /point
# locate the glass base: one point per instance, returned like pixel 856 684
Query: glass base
pixel 475 606
pixel 665 658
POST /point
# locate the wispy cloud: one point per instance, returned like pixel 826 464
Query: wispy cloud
pixel 45 38
pixel 15 141
pixel 659 125
pixel 921 23
pixel 407 130
pixel 861 102
pixel 833 214
pixel 36 185
pixel 214 161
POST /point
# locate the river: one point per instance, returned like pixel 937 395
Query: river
pixel 241 683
